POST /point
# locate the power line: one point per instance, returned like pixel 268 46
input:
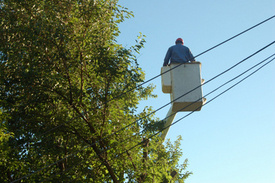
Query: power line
pixel 188 91
pixel 227 89
pixel 180 109
pixel 80 115
pixel 152 112
pixel 226 83
pixel 208 101
pixel 212 98
pixel 157 77
pixel 237 35
pixel 209 49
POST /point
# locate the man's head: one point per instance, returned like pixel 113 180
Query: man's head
pixel 179 41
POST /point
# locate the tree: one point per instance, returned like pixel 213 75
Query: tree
pixel 69 98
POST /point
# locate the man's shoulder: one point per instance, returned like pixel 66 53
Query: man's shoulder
pixel 185 47
pixel 173 47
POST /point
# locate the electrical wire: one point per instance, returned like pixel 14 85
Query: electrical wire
pixel 254 26
pixel 185 106
pixel 150 113
pixel 225 84
pixel 150 137
pixel 222 92
pixel 157 77
pixel 187 92
pixel 198 55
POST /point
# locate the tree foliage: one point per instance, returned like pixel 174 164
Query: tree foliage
pixel 69 95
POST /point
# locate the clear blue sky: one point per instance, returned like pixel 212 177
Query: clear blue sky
pixel 232 139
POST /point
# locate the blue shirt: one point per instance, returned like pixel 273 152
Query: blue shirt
pixel 178 54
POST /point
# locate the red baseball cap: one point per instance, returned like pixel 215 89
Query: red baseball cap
pixel 179 40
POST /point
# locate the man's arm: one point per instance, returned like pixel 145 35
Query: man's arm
pixel 191 57
pixel 167 57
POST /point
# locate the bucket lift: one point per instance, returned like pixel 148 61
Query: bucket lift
pixel 184 83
